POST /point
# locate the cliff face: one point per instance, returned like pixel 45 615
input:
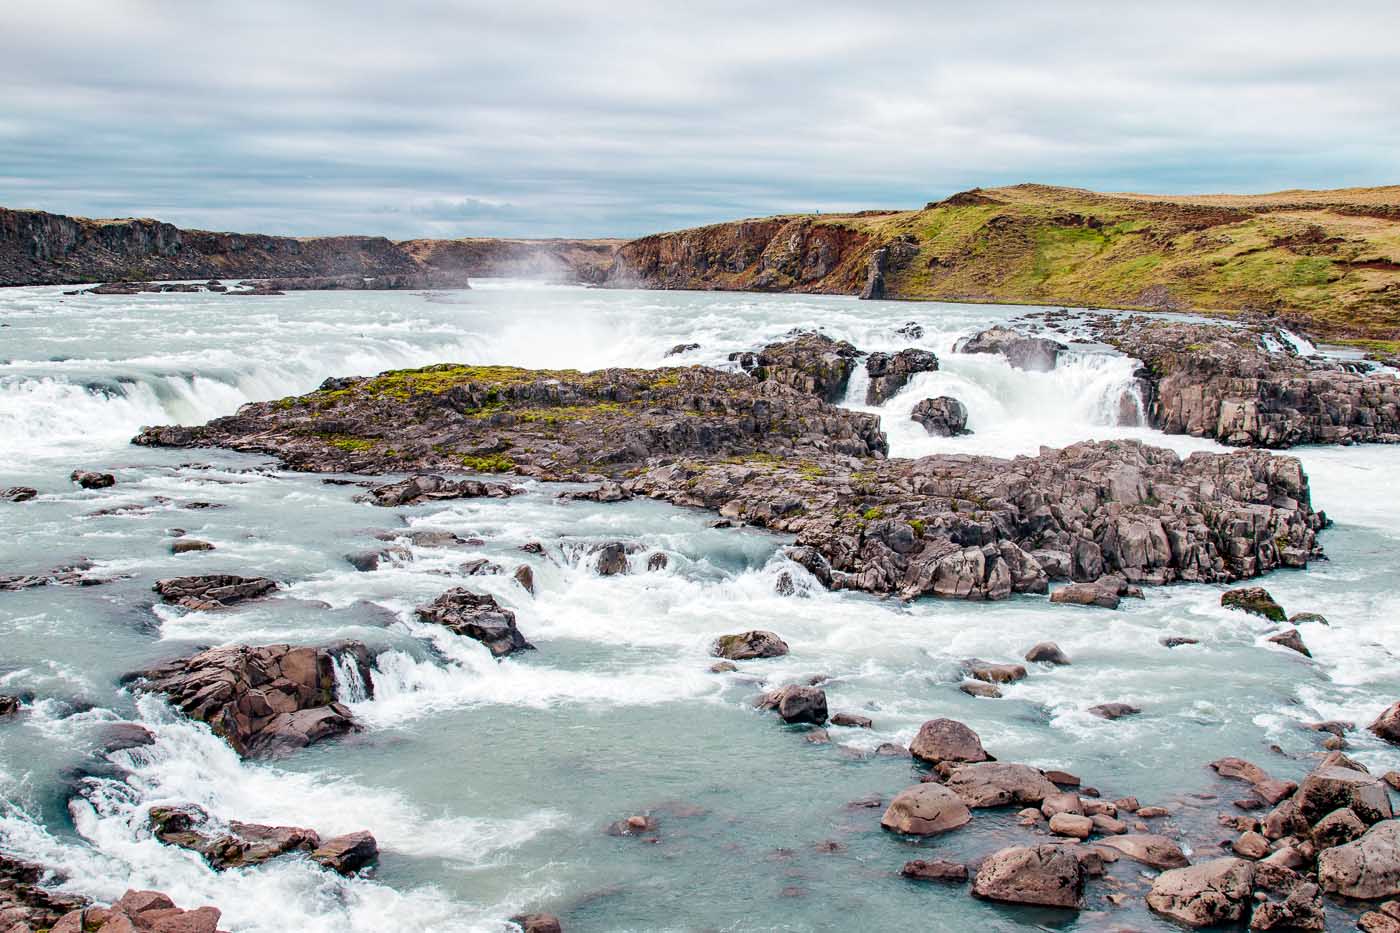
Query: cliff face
pixel 38 248
pixel 777 254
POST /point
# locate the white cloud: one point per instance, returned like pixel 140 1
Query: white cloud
pixel 549 118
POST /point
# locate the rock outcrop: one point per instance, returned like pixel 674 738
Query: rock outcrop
pixel 1225 383
pixel 549 424
pixel 429 488
pixel 976 527
pixel 262 700
pixel 237 846
pixel 813 364
pixel 476 616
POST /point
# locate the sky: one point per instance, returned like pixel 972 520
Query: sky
pixel 529 118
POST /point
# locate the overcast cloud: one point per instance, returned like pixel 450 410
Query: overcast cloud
pixel 534 118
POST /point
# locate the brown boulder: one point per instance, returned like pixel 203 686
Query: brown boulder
pixel 796 703
pixel 1045 875
pixel 991 673
pixel 925 810
pixel 1047 652
pixel 347 854
pixel 1286 901
pixel 1337 829
pixel 1206 894
pixel 1367 868
pixel 478 617
pixel 1333 787
pixel 1114 710
pixel 213 591
pixel 936 870
pixel 1070 824
pixel 999 784
pixel 942 740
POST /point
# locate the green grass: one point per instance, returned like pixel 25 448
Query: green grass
pixel 493 463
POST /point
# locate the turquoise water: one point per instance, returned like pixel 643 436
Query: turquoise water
pixel 488 784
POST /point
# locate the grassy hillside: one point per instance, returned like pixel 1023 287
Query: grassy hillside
pixel 1327 260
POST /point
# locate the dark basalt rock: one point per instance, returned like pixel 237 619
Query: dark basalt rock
pixel 476 616
pixel 91 479
pixel 813 364
pixel 682 348
pixel 611 560
pixel 430 488
pixel 941 417
pixel 9 705
pixel 262 700
pixel 965 526
pixel 1222 382
pixel 1033 354
pixel 890 373
pixel 213 591
pixel 18 493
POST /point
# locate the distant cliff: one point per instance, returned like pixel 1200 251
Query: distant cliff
pixel 1325 260
pixel 38 248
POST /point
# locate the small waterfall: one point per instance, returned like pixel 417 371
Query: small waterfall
pixel 350 686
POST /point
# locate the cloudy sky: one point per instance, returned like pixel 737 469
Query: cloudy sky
pixel 542 118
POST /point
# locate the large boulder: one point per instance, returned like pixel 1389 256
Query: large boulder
pixel 925 810
pixel 263 700
pixel 1330 788
pixel 796 703
pixel 1368 868
pixel 890 373
pixel 748 645
pixel 1387 724
pixel 213 591
pixel 476 616
pixel 941 417
pixel 1045 876
pixel 1000 784
pixel 92 479
pixel 1033 354
pixel 941 740
pixel 1205 894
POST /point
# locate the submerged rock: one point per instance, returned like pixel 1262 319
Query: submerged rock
pixel 935 870
pixel 18 493
pixel 1155 851
pixel 476 616
pixel 243 844
pixel 1114 710
pixel 748 645
pixel 262 700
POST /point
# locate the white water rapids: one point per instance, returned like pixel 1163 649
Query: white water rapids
pixel 487 783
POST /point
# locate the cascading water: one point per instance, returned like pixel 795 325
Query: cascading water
pixel 488 783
